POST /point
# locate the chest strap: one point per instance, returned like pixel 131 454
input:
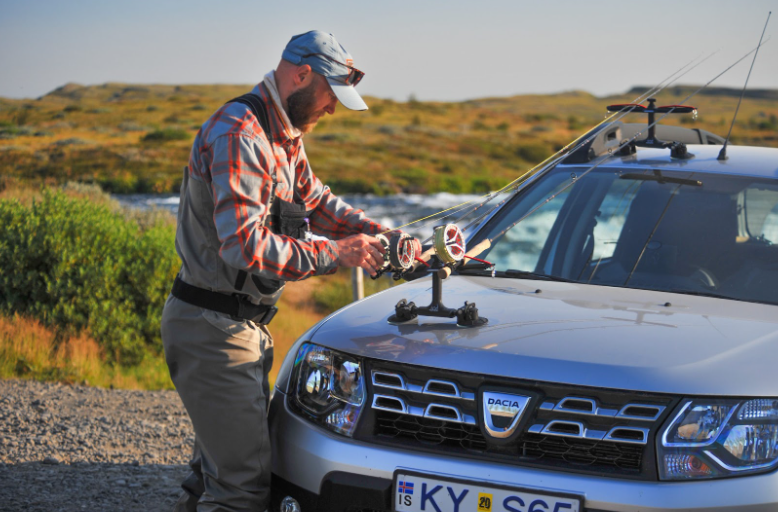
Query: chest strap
pixel 233 305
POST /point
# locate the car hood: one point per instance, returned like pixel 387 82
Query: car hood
pixel 573 333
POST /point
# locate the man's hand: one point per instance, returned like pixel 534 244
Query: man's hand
pixel 364 251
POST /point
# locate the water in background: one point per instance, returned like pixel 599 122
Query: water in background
pixel 391 211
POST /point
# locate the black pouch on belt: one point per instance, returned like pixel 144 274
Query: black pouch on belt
pixel 289 219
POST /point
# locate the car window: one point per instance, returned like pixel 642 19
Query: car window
pixel 759 213
pixel 611 217
pixel 520 246
pixel 770 227
pixel 669 230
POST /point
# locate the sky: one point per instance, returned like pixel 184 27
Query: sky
pixel 432 50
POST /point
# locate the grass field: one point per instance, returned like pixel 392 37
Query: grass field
pixel 133 138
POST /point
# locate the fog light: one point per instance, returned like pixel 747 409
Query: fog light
pixel 290 504
pixel 685 466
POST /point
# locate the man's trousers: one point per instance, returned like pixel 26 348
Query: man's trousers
pixel 219 367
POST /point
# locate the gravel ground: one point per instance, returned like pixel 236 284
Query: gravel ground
pixel 76 448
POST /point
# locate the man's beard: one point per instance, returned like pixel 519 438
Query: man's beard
pixel 300 108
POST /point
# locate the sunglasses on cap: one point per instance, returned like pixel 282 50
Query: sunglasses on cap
pixel 354 75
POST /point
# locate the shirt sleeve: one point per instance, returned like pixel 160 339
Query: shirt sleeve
pixel 241 187
pixel 332 217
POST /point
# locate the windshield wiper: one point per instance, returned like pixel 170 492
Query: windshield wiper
pixel 482 270
pixel 657 176
pixel 525 274
pixel 715 295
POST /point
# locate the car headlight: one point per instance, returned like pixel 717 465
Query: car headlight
pixel 328 387
pixel 711 438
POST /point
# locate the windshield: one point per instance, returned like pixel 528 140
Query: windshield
pixel 675 231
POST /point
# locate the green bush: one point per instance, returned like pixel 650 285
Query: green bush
pixel 533 152
pixel 77 266
pixel 168 134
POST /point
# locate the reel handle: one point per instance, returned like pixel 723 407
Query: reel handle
pixel 444 272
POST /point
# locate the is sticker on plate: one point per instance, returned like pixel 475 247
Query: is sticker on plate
pixel 416 492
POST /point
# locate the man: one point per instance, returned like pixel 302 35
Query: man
pixel 249 204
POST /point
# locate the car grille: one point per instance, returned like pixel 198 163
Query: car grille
pixel 565 428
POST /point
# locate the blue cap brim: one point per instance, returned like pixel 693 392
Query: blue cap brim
pixel 347 95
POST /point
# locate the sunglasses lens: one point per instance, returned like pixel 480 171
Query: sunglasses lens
pixel 354 77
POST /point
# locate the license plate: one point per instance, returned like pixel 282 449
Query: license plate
pixel 418 492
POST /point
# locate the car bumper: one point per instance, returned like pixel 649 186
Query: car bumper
pixel 322 468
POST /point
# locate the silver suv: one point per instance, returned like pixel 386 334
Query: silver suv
pixel 627 361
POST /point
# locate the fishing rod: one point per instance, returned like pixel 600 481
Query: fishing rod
pixel 622 145
pixel 723 152
pixel 552 160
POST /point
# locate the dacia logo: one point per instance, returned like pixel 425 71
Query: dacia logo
pixel 502 413
pixel 504 403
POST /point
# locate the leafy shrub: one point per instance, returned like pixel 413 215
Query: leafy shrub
pixel 539 118
pixel 16 130
pixel 533 152
pixel 350 122
pixel 335 137
pixel 79 267
pixel 414 178
pixel 350 186
pixel 166 135
pixel 574 124
pixel 72 141
pixel 453 184
pixel 482 185
pixel 388 129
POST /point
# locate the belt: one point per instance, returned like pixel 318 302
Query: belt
pixel 233 305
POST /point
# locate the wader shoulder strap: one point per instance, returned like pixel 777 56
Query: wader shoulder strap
pixel 258 108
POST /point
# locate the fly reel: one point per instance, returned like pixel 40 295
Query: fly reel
pixel 449 243
pixel 402 251
pixel 385 243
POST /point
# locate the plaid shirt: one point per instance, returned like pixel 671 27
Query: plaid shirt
pixel 225 196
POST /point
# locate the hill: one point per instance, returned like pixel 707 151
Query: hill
pixel 686 90
pixel 136 138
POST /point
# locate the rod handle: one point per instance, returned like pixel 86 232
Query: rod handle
pixel 444 272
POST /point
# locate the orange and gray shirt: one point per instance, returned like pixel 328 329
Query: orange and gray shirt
pixel 235 171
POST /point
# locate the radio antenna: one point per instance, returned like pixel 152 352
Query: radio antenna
pixel 723 152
